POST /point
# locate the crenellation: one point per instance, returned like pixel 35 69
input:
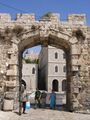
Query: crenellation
pixel 55 17
pixel 27 18
pixel 77 19
pixel 4 17
pixel 74 20
pixel 73 36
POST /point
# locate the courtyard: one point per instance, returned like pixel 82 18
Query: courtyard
pixel 43 114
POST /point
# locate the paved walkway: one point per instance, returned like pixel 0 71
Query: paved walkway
pixel 41 114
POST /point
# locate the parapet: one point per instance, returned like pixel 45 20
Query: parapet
pixel 4 17
pixel 77 19
pixel 73 19
pixel 25 17
pixel 54 17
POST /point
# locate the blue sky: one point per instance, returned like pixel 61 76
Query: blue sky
pixel 40 7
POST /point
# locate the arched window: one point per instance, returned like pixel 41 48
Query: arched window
pixel 64 68
pixel 55 85
pixel 33 70
pixel 56 68
pixel 64 85
pixel 56 55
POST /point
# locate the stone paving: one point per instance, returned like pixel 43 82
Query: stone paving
pixel 43 114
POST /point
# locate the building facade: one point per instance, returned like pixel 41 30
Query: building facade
pixel 52 65
pixel 31 56
pixel 73 36
pixel 30 76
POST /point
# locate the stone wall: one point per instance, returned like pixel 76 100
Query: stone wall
pixel 73 36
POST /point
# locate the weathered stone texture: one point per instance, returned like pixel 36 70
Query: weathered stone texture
pixel 73 36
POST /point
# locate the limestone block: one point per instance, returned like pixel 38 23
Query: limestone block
pixel 10 83
pixel 74 61
pixel 74 68
pixel 8 105
pixel 75 104
pixel 27 18
pixel 75 50
pixel 10 51
pixel 1 89
pixel 11 72
pixel 12 62
pixel 73 40
pixel 9 95
pixel 5 17
pixel 76 90
pixel 77 19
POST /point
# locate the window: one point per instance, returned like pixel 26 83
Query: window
pixel 33 70
pixel 64 69
pixel 56 55
pixel 56 68
pixel 64 85
pixel 55 85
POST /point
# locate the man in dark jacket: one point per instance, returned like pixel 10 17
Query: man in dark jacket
pixel 43 99
pixel 37 98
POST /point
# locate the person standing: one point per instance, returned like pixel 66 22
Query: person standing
pixel 37 98
pixel 43 99
pixel 24 100
pixel 52 100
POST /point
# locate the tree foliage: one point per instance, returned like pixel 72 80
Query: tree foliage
pixel 29 61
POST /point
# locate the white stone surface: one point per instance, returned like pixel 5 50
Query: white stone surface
pixel 43 114
pixel 30 78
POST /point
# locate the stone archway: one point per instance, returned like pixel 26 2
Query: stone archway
pixel 73 37
pixel 54 38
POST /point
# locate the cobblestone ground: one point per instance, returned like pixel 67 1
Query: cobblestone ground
pixel 41 114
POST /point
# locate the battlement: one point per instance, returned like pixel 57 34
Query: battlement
pixel 5 17
pixel 54 17
pixel 25 17
pixel 77 19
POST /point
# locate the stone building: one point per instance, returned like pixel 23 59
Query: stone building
pixel 30 76
pixel 31 56
pixel 72 36
pixel 52 66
